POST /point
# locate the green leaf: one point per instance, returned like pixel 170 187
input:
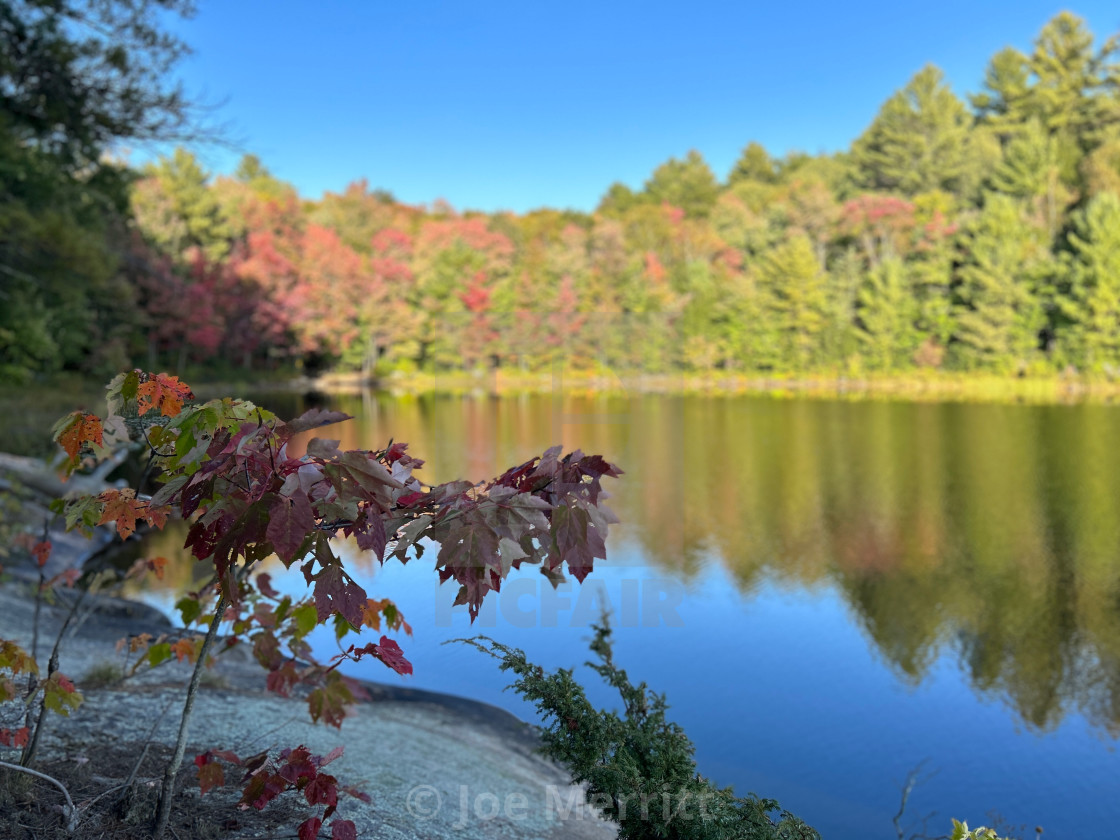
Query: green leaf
pixel 342 627
pixel 189 609
pixel 159 653
pixel 122 389
pixel 306 618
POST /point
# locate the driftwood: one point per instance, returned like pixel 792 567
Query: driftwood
pixel 39 476
pixel 34 484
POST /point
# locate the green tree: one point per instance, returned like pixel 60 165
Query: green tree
pixel 77 77
pixel 1032 168
pixel 63 304
pixel 1100 170
pixel 1093 306
pixel 688 184
pixel 1001 314
pixel 178 211
pixel 356 215
pixel 919 140
pixel 1063 85
pixel 1068 80
pixel 754 164
pixel 796 292
pixel 1002 102
pixel 617 201
pixel 886 314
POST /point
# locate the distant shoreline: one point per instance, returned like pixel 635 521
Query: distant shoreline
pixel 916 388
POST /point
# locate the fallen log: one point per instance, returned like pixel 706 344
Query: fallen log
pixel 33 484
pixel 40 476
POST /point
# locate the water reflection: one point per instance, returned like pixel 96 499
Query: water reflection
pixel 989 531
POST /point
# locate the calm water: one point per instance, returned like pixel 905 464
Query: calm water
pixel 830 593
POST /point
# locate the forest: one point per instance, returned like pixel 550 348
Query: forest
pixel 971 235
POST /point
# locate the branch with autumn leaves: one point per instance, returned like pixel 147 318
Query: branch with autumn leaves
pixel 226 467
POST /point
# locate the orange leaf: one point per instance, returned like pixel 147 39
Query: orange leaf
pixel 81 429
pixel 122 506
pixel 186 649
pixel 157 564
pixel 371 614
pixel 157 516
pixel 163 392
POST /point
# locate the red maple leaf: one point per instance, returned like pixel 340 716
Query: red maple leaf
pixel 41 551
pixel 391 654
pixel 322 790
pixel 309 828
pixel 289 520
pixel 14 737
pixel 210 773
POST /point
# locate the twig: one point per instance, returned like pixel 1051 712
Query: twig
pixel 69 811
pixel 144 752
pixel 52 665
pixel 167 790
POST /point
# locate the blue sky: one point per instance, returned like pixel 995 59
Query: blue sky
pixel 516 105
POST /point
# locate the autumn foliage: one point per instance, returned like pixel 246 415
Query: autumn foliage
pixel 226 467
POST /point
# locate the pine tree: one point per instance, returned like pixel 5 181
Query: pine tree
pixel 1000 315
pixel 1032 168
pixel 1093 307
pixel 1002 103
pixel 1067 80
pixel 919 140
pixel 754 164
pixel 795 287
pixel 886 316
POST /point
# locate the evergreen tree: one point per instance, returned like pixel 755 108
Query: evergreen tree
pixel 796 293
pixel 1002 102
pixel 1100 171
pixel 1093 306
pixel 886 316
pixel 1032 168
pixel 754 164
pixel 919 140
pixel 1068 80
pixel 617 201
pixel 1001 315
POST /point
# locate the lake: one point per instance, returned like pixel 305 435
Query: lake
pixel 832 594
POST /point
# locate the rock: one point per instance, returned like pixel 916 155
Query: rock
pixel 434 766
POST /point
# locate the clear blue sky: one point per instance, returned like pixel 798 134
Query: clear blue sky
pixel 515 105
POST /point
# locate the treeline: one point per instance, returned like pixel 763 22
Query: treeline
pixel 961 236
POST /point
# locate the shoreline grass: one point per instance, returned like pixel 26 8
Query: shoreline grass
pixel 932 387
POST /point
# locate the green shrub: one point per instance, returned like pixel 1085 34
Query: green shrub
pixel 638 768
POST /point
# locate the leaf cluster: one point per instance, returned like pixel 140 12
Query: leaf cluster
pixel 228 468
pixel 267 777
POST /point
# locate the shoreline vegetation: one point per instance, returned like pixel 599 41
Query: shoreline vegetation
pixel 934 387
pixel 953 243
pixel 29 410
